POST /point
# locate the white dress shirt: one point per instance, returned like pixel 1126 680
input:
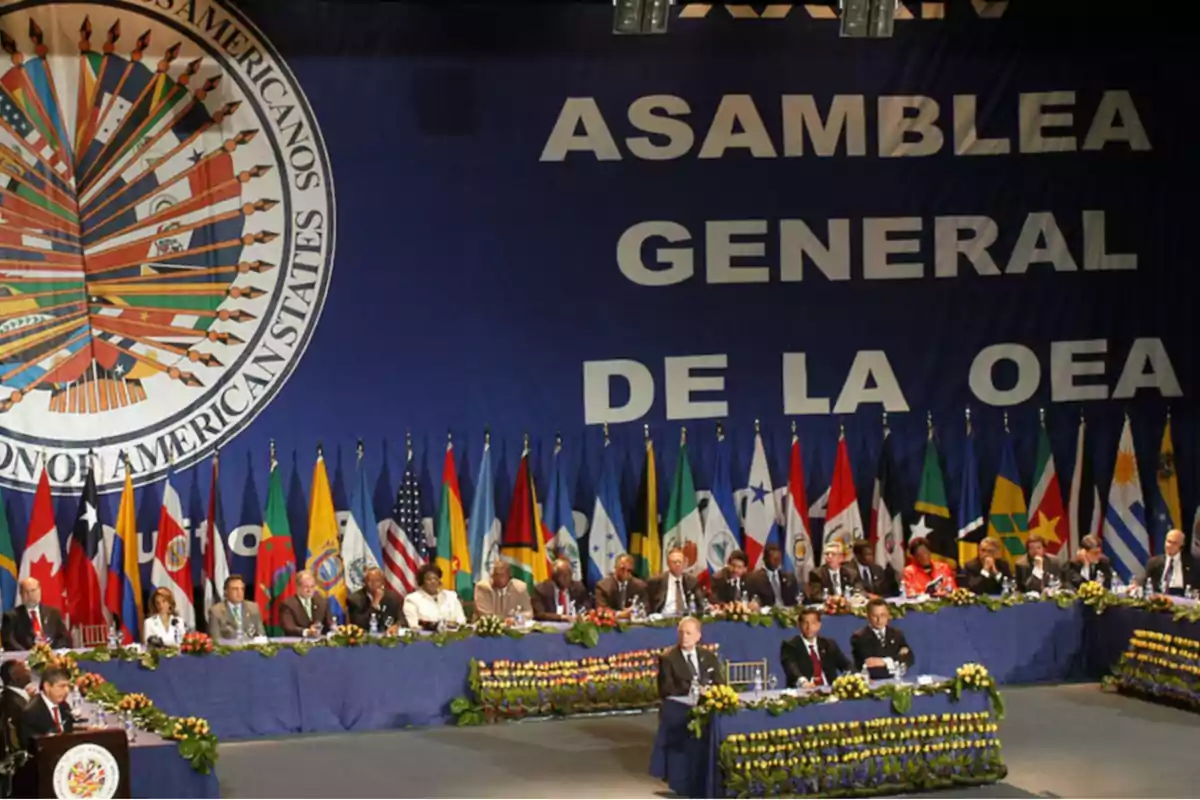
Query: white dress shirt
pixel 1175 570
pixel 420 607
pixel 671 607
pixel 171 633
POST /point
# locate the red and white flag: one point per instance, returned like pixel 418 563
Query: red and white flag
pixel 43 558
pixel 215 566
pixel 798 549
pixel 843 519
pixel 172 568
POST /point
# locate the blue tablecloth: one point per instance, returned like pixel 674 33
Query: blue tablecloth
pixel 159 771
pixel 690 765
pixel 1107 635
pixel 248 695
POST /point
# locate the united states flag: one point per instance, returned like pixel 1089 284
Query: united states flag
pixel 401 557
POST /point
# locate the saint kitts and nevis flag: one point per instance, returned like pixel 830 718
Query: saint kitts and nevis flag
pixel 453 550
pixel 324 553
pixel 645 544
pixel 682 522
pixel 1047 518
pixel 970 507
pixel 932 509
pixel 523 544
pixel 172 568
pixel 276 559
pixel 123 593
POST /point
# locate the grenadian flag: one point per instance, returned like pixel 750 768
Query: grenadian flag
pixel 453 552
pixel 123 594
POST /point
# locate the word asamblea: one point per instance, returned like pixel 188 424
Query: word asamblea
pixel 870 379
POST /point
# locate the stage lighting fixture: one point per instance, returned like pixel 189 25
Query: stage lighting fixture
pixel 641 16
pixel 868 19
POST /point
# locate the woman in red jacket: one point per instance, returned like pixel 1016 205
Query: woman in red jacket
pixel 922 570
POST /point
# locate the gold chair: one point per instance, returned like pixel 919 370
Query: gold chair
pixel 741 674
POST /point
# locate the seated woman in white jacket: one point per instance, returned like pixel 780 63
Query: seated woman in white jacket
pixel 165 625
pixel 430 603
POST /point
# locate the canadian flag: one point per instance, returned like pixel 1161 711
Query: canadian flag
pixel 172 568
pixel 43 558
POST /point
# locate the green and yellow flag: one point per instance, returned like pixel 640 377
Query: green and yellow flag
pixel 523 543
pixel 324 552
pixel 645 544
pixel 1008 519
pixel 276 562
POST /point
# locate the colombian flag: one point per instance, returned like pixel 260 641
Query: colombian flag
pixel 123 594
pixel 1008 520
pixel 453 552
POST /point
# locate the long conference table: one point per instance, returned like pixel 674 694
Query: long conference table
pixel 247 695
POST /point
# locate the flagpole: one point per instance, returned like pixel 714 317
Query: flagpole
pixel 607 441
pixel 408 451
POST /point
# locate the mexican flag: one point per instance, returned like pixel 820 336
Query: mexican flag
pixel 682 522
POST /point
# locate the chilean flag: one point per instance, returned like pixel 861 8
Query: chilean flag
pixel 87 561
pixel 42 558
pixel 172 568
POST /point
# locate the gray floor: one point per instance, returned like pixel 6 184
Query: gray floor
pixel 1063 741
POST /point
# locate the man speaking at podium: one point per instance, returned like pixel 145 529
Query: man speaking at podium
pixel 48 712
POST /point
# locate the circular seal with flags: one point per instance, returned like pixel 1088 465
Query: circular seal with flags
pixel 86 771
pixel 158 182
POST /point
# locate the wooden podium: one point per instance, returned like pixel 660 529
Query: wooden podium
pixel 90 768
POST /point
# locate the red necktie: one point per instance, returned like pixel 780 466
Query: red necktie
pixel 818 673
pixel 57 721
pixel 37 624
pixel 562 600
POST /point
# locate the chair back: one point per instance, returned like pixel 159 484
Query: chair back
pixel 89 635
pixel 742 674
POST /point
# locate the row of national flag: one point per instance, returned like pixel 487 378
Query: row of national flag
pixel 99 582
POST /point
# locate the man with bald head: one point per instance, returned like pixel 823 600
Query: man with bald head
pixel 678 666
pixel 555 599
pixel 501 595
pixel 24 625
pixel 1170 572
pixel 378 599
pixel 306 613
pixel 618 590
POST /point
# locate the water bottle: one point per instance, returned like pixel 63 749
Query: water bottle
pixel 758 681
pixel 374 624
pixel 1005 587
pixel 519 618
pixel 694 691
pixel 114 638
pixel 824 595
pixel 570 609
pixel 692 604
pixel 130 728
pixel 101 717
pixel 745 597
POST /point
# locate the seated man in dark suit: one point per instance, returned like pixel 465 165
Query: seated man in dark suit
pixel 560 597
pixel 13 701
pixel 729 582
pixel 30 621
pixel 1171 571
pixel 809 659
pixel 875 580
pixel 770 584
pixel 305 613
pixel 1089 564
pixel 48 711
pixel 832 578
pixel 878 644
pixel 673 592
pixel 378 599
pixel 987 573
pixel 1036 571
pixel 685 662
pixel 618 590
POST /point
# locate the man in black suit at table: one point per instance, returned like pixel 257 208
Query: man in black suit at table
pixel 618 590
pixel 685 662
pixel 378 599
pixel 48 712
pixel 13 702
pixel 878 644
pixel 552 598
pixel 729 582
pixel 875 579
pixel 770 584
pixel 23 625
pixel 1036 571
pixel 986 574
pixel 1171 571
pixel 810 659
pixel 1089 564
pixel 672 593
pixel 834 577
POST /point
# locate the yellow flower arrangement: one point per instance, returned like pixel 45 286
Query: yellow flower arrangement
pixel 974 676
pixel 134 701
pixel 1091 591
pixel 961 596
pixel 720 699
pixel 851 686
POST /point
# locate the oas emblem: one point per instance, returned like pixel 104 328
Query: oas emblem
pixel 86 771
pixel 166 234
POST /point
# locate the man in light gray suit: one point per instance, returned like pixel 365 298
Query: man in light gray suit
pixel 226 618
